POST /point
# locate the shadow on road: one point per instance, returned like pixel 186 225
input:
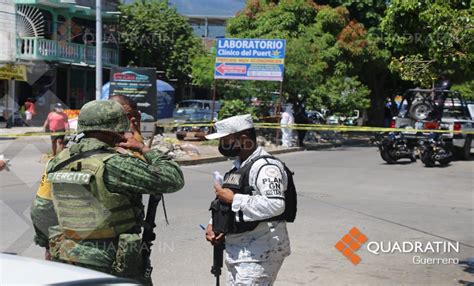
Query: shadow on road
pixel 398 163
pixel 468 266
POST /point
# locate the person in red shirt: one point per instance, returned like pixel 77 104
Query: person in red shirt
pixel 30 110
pixel 57 121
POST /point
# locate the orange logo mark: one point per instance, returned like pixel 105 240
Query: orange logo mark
pixel 350 243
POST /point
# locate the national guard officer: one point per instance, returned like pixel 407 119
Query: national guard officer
pixel 96 213
pixel 255 190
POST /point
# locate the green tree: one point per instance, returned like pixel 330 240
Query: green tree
pixel 203 69
pixel 155 35
pixel 342 95
pixel 363 44
pixel 318 60
pixel 466 89
pixel 235 107
pixel 430 38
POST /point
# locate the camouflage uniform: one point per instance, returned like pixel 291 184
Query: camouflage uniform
pixel 124 174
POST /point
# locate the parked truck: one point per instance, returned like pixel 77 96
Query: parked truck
pixel 423 110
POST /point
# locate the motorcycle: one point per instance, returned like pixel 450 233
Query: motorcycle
pixel 435 149
pixel 394 147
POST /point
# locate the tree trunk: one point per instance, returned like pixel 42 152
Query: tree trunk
pixel 377 99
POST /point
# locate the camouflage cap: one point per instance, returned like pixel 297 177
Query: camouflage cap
pixel 106 115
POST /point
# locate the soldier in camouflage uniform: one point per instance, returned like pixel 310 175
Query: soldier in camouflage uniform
pixel 93 216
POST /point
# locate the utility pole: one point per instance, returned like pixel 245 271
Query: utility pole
pixel 98 49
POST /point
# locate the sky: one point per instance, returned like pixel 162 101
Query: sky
pixel 207 7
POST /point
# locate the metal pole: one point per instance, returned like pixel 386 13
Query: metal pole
pixel 278 109
pixel 12 103
pixel 213 99
pixel 98 48
pixel 278 114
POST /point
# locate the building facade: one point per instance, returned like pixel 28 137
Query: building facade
pixel 7 57
pixel 55 41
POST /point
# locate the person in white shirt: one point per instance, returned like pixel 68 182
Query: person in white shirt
pixel 287 119
pixel 257 241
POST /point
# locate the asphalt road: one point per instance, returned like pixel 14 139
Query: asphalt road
pixel 338 189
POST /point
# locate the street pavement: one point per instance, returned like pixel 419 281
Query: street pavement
pixel 338 189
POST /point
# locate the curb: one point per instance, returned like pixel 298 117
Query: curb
pixel 309 147
pixel 222 158
pixel 346 143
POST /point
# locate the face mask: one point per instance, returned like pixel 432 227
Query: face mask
pixel 230 150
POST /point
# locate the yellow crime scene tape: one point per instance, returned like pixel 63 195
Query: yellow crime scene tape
pixel 307 127
pixel 35 134
pixel 322 127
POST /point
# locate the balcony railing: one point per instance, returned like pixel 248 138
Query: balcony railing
pixel 107 5
pixel 50 50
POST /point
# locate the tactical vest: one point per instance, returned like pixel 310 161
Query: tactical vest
pixel 84 206
pixel 238 181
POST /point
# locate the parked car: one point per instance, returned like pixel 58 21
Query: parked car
pixel 196 132
pixel 349 120
pixel 14 120
pixel 186 107
pixel 17 270
pixel 316 117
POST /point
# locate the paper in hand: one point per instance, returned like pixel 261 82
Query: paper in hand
pixel 218 178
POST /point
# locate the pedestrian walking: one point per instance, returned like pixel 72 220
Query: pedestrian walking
pixel 30 110
pixel 57 122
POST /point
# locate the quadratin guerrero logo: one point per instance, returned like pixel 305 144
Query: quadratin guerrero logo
pixel 350 243
pixel 354 240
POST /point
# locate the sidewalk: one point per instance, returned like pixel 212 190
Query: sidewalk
pixel 215 156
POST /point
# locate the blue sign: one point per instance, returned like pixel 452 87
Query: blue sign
pixel 250 59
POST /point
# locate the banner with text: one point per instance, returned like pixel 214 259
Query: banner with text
pixel 250 59
pixel 137 83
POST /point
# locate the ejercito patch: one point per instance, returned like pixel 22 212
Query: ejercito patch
pixel 70 178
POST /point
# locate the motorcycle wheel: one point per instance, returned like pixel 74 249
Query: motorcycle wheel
pixel 387 157
pixel 446 161
pixel 426 158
